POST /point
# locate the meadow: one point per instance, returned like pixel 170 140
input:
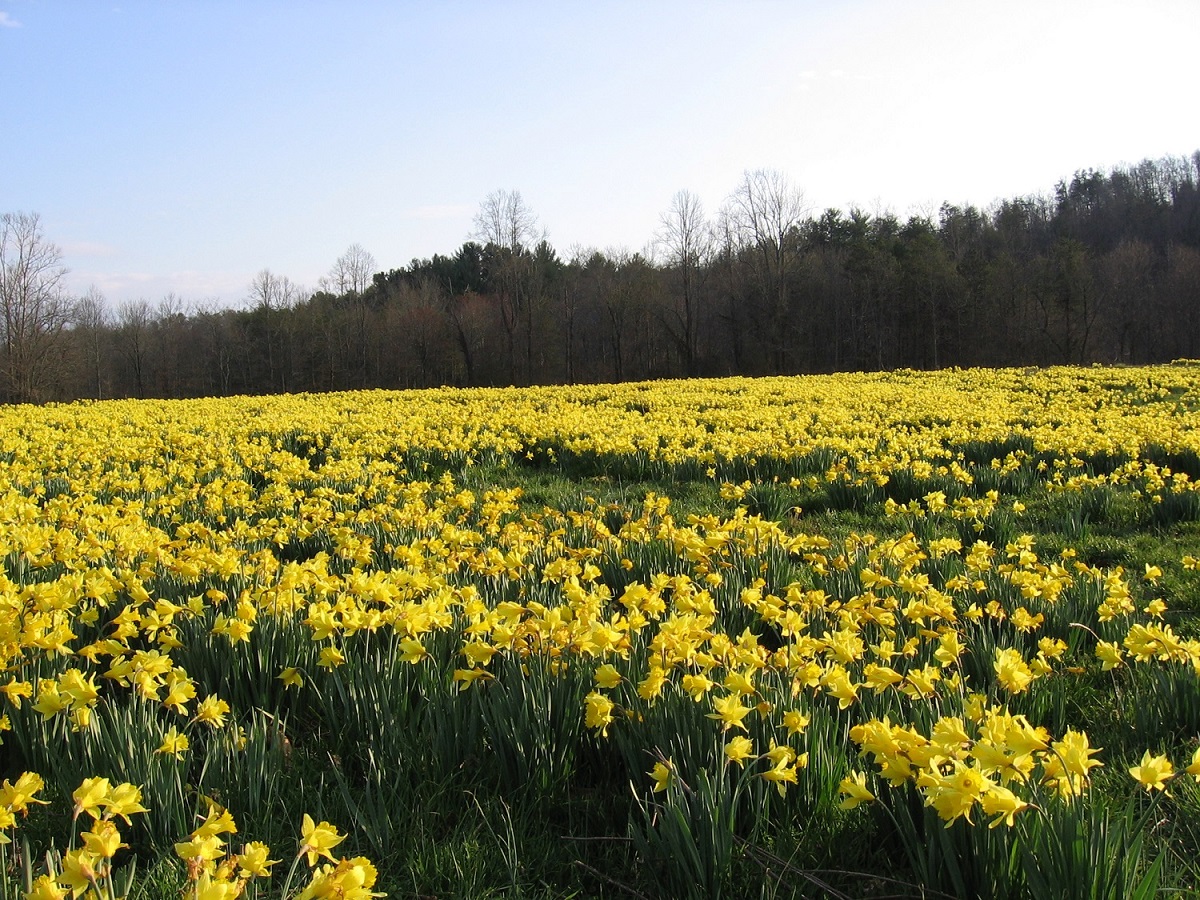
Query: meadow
pixel 904 634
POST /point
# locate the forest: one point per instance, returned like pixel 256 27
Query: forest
pixel 1106 269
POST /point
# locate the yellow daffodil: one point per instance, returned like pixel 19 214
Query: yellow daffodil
pixel 318 839
pixel 739 749
pixel 599 711
pixel 661 773
pixel 730 711
pixel 91 794
pixel 174 743
pixel 212 711
pixel 607 676
pixel 1002 803
pixel 1153 772
pixel 254 860
pixel 853 789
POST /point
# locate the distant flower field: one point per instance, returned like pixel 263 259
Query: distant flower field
pixel 953 610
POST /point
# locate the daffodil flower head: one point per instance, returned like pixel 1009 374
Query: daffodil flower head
pixel 46 888
pixel 599 711
pixel 17 797
pixel 739 749
pixel 607 676
pixel 90 796
pixel 1153 772
pixel 318 839
pixel 254 860
pixel 174 743
pixel 124 800
pixel 1002 803
pixel 104 840
pixel 854 790
pixel 661 773
pixel 730 711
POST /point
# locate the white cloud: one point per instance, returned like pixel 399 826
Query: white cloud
pixel 6 21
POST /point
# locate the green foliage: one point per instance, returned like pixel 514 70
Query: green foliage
pixel 691 835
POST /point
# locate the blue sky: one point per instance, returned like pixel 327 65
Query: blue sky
pixel 183 145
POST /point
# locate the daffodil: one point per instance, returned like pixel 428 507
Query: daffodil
pixel 124 800
pixel 661 773
pixel 103 840
pixel 599 711
pixel 318 839
pixel 330 658
pixel 697 685
pixel 210 886
pixel 854 791
pixel 78 871
pixel 795 721
pixel 50 701
pixel 1002 803
pixel 607 676
pixel 174 742
pixel 1109 654
pixel 217 820
pixel 739 749
pixel 201 850
pixel 350 879
pixel 91 794
pixel 781 775
pixel 45 888
pixel 953 795
pixel 1011 671
pixel 15 690
pixel 254 860
pixel 1153 772
pixel 17 797
pixel 1069 763
pixel 730 711
pixel 212 711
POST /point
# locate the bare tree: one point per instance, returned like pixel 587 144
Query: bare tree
pixel 351 273
pixel 171 339
pixel 763 218
pixel 34 307
pixel 622 282
pixel 506 221
pixel 510 229
pixel 272 297
pixel 686 239
pixel 218 344
pixel 133 331
pixel 348 279
pixel 90 321
pixel 275 292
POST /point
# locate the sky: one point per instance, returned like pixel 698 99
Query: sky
pixel 181 146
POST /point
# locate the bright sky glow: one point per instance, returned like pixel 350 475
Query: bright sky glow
pixel 183 146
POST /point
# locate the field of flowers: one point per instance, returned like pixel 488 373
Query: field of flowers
pixel 898 634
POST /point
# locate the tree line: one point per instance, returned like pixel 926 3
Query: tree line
pixel 1105 269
